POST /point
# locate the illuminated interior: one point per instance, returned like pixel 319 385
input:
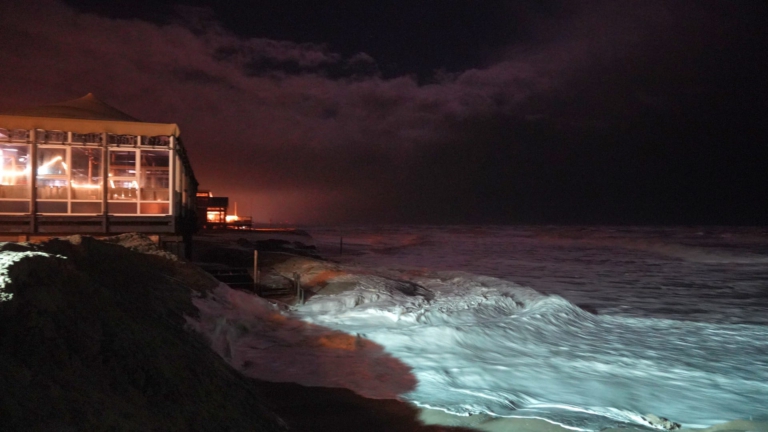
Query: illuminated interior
pixel 216 211
pixel 14 171
pixel 69 171
pixel 88 168
pixel 87 180
pixel 216 216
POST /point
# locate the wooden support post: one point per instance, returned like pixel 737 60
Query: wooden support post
pixel 256 275
pixel 172 184
pixel 104 183
pixel 299 291
pixel 32 163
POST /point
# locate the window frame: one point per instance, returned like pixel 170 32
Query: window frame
pixel 64 177
pixel 28 177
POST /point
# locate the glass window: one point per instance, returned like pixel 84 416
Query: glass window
pixel 154 175
pixel 52 207
pixel 14 206
pixel 122 139
pixel 52 174
pixel 123 190
pixel 215 216
pixel 122 163
pixel 19 135
pixel 51 136
pixel 57 136
pixel 52 161
pixel 94 138
pixel 86 207
pixel 51 189
pixel 14 172
pixel 154 208
pixel 157 141
pixel 177 173
pixel 122 208
pixel 86 173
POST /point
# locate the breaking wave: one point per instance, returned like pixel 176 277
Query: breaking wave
pixel 484 345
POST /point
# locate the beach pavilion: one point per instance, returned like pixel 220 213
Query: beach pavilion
pixel 84 167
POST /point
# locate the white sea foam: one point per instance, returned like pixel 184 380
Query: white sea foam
pixel 484 320
pixel 675 335
pixel 483 345
pixel 641 272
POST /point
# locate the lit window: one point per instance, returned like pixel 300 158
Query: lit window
pixel 122 163
pixel 52 176
pixel 122 182
pixel 52 161
pixel 14 171
pixel 86 173
pixel 154 175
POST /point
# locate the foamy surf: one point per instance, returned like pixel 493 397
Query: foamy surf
pixel 678 333
pixel 482 345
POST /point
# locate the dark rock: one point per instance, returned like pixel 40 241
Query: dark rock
pixel 661 422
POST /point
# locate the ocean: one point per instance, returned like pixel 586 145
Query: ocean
pixel 587 328
pixel 680 330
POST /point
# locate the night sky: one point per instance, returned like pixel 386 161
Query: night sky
pixel 482 111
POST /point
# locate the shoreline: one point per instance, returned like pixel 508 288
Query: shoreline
pixel 309 407
pixel 318 274
pixel 95 335
pixel 79 288
pixel 338 409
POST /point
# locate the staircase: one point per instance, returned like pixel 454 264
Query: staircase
pixel 234 277
pixel 275 286
pixel 270 285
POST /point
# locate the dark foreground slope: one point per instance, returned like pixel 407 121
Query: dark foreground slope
pixel 93 337
pixel 96 341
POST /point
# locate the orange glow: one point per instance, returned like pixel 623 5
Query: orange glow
pixel 43 169
pixel 276 318
pixel 85 186
pixel 342 341
pixel 323 277
pixel 213 216
pixel 9 177
pixel 132 185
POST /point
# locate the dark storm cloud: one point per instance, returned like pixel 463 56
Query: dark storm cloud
pixel 297 131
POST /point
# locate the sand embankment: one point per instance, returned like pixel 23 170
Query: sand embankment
pixel 95 336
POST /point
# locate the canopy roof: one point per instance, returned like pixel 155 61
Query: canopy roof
pixel 84 115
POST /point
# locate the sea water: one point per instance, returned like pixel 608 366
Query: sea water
pixel 586 328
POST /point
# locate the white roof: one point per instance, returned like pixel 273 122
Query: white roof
pixel 84 115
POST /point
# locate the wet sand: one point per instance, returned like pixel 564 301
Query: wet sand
pixel 326 409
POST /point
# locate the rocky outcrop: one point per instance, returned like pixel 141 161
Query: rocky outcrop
pixel 660 422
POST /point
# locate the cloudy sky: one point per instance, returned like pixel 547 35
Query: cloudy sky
pixel 492 111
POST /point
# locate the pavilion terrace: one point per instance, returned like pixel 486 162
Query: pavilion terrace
pixel 84 167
